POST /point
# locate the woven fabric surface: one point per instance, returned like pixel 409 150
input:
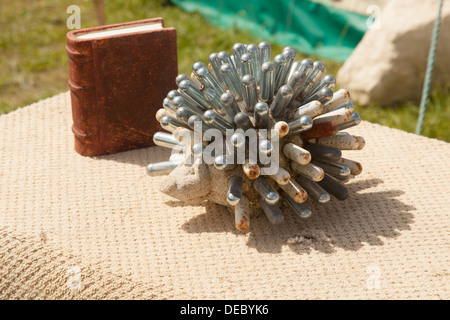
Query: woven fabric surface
pixel 73 227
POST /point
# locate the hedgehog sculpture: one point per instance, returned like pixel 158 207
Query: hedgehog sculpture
pixel 250 133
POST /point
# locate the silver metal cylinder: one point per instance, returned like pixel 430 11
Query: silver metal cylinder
pixel 170 123
pixel 265 147
pixel 294 67
pixel 232 80
pixel 265 52
pixel 267 82
pixel 333 187
pixel 323 152
pixel 166 140
pixel 161 168
pixel 266 191
pixel 225 58
pixel 212 116
pixel 215 63
pixel 197 65
pixel 214 101
pixel 332 168
pixel 194 93
pixel 242 121
pixel 323 96
pixel 315 191
pixel 197 152
pixel 289 53
pixel 279 64
pixel 214 120
pixel 180 101
pixel 207 79
pixel 278 106
pixel 247 65
pixel 261 115
pixel 273 212
pixel 220 163
pixel 250 92
pixel 327 82
pixel 316 74
pixel 172 94
pixel 196 118
pixel 183 76
pixel 354 121
pixel 238 50
pixel 299 125
pixel 301 209
pixel 234 193
pixel 230 105
pixel 254 51
pixel 297 82
pixel 307 66
pixel 238 140
pixel 355 167
pixel 183 114
pixel 168 105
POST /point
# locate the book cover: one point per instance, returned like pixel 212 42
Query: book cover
pixel 118 77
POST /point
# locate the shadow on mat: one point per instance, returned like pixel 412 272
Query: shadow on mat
pixel 364 218
pixel 139 157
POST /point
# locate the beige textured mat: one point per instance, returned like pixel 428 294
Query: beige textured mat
pixel 97 228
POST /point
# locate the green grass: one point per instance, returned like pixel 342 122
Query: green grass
pixel 33 61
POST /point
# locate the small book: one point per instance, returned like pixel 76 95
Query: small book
pixel 118 77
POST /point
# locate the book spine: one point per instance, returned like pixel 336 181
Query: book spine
pixel 83 93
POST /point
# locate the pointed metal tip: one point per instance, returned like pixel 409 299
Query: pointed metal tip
pixel 305 213
pixel 272 198
pixel 318 65
pixel 248 79
pixel 232 199
pixel 201 72
pixel 289 52
pixel 237 139
pixel 197 65
pixel 345 171
pixel 184 84
pixel 356 117
pixel 306 122
pixel 265 146
pixel 262 108
pixel 267 66
pixel 264 45
pixel 280 59
pixel 324 198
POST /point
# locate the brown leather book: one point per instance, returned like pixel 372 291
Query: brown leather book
pixel 118 77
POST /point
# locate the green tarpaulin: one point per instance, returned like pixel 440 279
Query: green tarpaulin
pixel 310 27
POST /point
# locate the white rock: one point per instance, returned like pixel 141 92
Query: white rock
pixel 388 65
